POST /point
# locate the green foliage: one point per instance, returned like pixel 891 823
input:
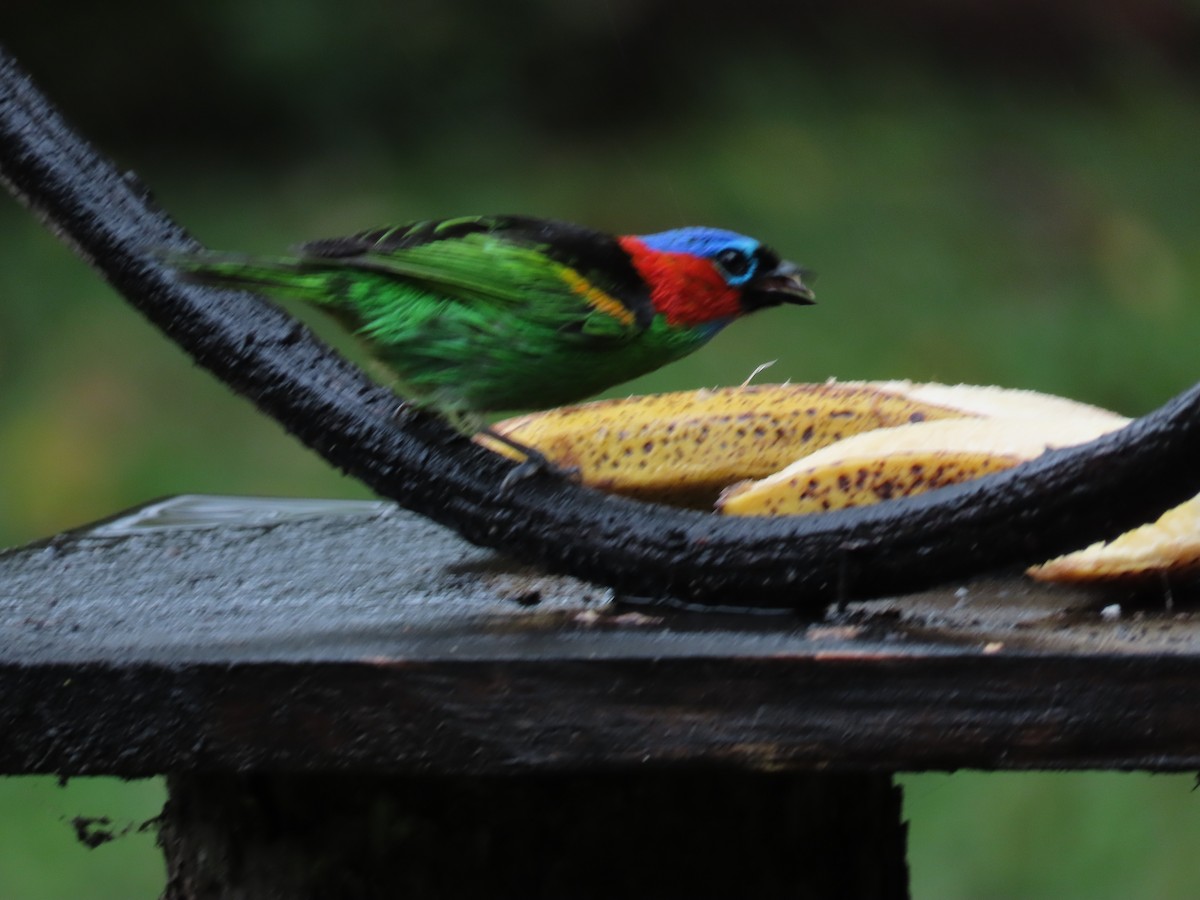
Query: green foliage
pixel 43 857
pixel 1036 230
pixel 1040 835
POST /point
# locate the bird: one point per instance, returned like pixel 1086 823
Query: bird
pixel 476 315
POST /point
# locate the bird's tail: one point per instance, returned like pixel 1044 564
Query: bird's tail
pixel 276 275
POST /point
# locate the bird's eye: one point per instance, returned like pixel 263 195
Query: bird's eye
pixel 735 263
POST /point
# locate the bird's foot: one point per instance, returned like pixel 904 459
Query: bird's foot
pixel 538 465
pixel 403 410
pixel 534 463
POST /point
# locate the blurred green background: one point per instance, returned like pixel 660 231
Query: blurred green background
pixel 990 193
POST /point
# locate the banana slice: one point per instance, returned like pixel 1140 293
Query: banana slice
pixel 1169 545
pixel 907 460
pixel 683 447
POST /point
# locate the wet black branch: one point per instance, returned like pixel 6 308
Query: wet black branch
pixel 1057 503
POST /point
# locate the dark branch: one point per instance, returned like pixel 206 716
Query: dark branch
pixel 1057 503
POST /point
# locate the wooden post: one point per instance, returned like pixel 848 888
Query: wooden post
pixel 648 834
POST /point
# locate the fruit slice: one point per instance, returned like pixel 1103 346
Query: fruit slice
pixel 683 447
pixel 907 460
pixel 1169 545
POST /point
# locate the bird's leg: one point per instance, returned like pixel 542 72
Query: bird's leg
pixel 535 462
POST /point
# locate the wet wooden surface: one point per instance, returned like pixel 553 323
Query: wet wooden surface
pixel 228 635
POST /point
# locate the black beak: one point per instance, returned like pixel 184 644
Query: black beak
pixel 782 284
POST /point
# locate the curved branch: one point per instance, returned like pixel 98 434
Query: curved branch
pixel 1061 501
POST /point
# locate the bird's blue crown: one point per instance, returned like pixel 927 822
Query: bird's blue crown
pixel 699 241
pixel 709 243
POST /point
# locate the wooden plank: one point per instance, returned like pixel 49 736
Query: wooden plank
pixel 227 635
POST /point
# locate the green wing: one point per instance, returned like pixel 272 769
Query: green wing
pixel 548 273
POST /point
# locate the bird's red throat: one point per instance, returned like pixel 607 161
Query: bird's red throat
pixel 687 289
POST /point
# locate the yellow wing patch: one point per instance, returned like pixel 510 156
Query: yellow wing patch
pixel 596 298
